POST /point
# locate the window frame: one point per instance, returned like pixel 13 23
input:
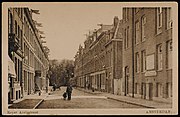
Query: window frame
pixel 137 62
pixel 137 31
pixel 143 61
pixel 159 57
pixel 169 54
pixel 159 20
pixel 143 23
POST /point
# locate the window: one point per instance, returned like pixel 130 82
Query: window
pixel 159 19
pixel 126 91
pixel 18 11
pixel 25 26
pixel 143 61
pixel 143 22
pixel 169 54
pixel 16 95
pixel 125 38
pixel 159 56
pixel 168 18
pixel 16 27
pixel 21 38
pixel 19 70
pixel 137 10
pixel 137 62
pixel 126 14
pixel 126 34
pixel 16 69
pixel 103 79
pixel 10 23
pixel 137 32
pixel 18 32
pixel 21 12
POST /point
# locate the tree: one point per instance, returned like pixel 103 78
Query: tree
pixel 61 71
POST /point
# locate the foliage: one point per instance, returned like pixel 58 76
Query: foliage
pixel 61 71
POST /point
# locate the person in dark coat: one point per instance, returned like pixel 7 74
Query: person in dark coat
pixel 69 91
pixel 54 87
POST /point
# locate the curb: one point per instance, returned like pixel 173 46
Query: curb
pixel 39 103
pixel 88 91
pixel 130 102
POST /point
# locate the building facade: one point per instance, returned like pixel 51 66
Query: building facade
pixel 97 61
pixel 147 52
pixel 28 54
pixel 137 62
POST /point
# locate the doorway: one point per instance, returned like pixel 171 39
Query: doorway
pixel 150 91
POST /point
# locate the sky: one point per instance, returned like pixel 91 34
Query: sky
pixel 65 24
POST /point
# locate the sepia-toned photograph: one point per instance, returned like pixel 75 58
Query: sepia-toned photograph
pixel 89 58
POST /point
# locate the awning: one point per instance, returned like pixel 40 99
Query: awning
pixel 11 68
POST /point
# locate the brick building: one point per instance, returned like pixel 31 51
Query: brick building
pixel 97 61
pixel 137 63
pixel 147 52
pixel 28 54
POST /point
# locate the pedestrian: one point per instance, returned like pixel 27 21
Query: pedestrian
pixel 65 95
pixel 69 91
pixel 54 87
pixel 39 92
pixel 88 86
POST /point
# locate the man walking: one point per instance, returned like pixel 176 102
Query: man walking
pixel 69 91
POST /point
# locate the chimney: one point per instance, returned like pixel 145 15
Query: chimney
pixel 116 20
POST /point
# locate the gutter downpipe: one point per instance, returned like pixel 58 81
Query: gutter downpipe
pixel 133 52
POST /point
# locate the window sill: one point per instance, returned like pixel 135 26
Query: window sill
pixel 168 28
pixel 168 69
pixel 143 40
pixel 159 70
pixel 143 72
pixel 137 44
pixel 158 33
pixel 126 48
pixel 16 82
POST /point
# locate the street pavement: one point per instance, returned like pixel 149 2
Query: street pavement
pixel 163 103
pixel 83 98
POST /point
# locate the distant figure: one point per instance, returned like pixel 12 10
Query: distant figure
pixel 92 89
pixel 39 92
pixel 88 86
pixel 69 91
pixel 54 87
pixel 65 95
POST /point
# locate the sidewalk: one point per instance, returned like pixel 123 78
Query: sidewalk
pixel 31 96
pixel 89 91
pixel 165 103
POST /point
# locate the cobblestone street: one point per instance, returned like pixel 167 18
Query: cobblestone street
pixel 80 99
